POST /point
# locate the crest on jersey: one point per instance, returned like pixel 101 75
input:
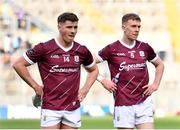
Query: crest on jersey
pixel 76 58
pixel 141 53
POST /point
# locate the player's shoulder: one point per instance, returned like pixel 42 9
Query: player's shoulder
pixel 48 42
pixel 79 46
pixel 46 45
pixel 142 43
pixel 113 44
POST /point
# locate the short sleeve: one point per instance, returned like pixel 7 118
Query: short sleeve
pixel 151 53
pixel 89 60
pixel 35 54
pixel 105 53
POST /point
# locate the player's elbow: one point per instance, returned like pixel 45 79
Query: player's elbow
pixel 19 63
pixel 162 66
pixel 15 64
pixel 94 71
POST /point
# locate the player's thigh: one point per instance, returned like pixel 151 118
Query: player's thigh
pixel 57 126
pixel 63 126
pixel 72 118
pixel 149 126
pixel 144 114
pixel 51 119
pixel 124 117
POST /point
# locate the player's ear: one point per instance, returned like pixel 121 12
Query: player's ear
pixel 123 27
pixel 58 26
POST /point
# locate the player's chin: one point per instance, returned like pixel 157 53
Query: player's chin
pixel 134 37
pixel 70 39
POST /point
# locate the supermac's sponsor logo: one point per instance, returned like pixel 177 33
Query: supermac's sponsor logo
pixel 56 68
pixel 127 67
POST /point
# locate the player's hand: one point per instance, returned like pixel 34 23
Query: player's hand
pixel 109 85
pixel 149 89
pixel 82 94
pixel 38 90
pixel 36 99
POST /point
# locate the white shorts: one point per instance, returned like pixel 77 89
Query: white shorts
pixel 53 117
pixel 129 116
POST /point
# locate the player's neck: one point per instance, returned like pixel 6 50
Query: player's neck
pixel 127 41
pixel 64 43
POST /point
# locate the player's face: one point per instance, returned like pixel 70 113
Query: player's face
pixel 131 29
pixel 68 30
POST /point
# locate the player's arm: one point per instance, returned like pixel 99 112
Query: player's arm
pixel 159 69
pixel 107 84
pixel 91 78
pixel 20 66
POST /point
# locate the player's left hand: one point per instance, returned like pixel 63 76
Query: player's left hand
pixel 150 89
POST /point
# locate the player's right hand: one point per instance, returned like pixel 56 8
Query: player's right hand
pixel 36 100
pixel 38 90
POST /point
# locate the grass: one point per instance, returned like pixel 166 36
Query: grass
pixel 97 122
pixel 171 122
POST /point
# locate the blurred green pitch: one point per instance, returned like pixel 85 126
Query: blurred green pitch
pixel 170 122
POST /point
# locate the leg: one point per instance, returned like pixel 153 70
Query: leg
pixel 63 126
pixel 51 127
pixel 149 126
pixel 50 119
pixel 124 117
pixel 71 119
pixel 145 115
pixel 125 129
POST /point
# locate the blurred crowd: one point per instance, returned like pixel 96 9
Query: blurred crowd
pixel 13 43
pixel 12 46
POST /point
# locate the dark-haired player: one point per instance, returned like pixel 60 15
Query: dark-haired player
pixel 59 61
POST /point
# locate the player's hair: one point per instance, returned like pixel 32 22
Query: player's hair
pixel 129 16
pixel 67 16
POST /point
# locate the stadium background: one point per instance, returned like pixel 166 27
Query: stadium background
pixel 24 23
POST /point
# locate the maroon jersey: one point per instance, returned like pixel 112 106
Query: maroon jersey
pixel 60 72
pixel 128 69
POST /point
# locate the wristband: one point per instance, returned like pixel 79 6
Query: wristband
pixel 100 78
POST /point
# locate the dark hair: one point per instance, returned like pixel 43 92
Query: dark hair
pixel 67 16
pixel 129 16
